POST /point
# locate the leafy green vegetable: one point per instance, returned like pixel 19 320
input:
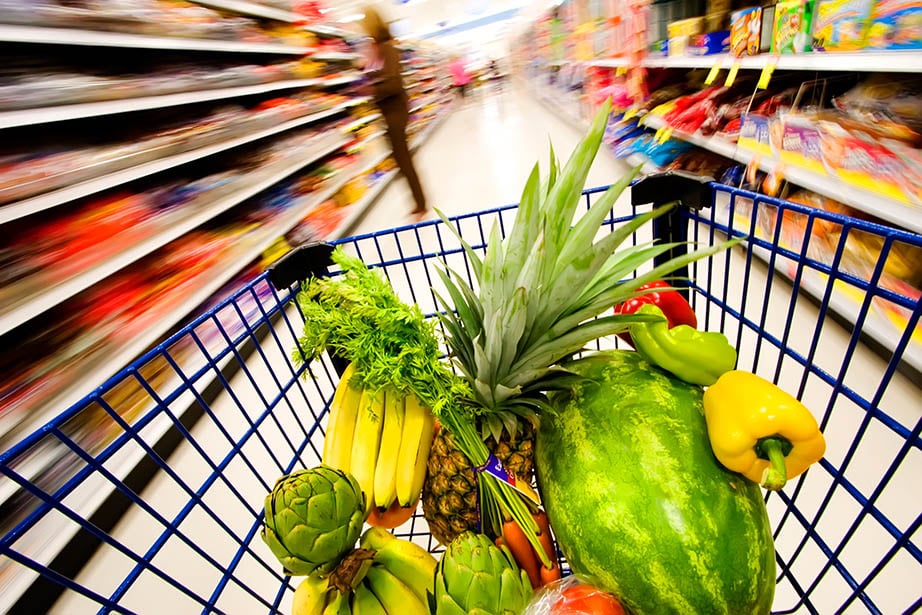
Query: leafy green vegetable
pixel 356 315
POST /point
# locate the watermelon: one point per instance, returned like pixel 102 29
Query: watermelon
pixel 638 502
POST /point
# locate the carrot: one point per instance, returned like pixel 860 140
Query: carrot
pixel 549 575
pixel 544 535
pixel 518 544
pixel 499 542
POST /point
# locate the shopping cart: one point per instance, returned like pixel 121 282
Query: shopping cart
pixel 156 480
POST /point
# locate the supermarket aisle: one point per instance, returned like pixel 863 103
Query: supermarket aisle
pixel 481 157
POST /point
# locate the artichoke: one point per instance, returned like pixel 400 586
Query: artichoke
pixel 476 576
pixel 313 518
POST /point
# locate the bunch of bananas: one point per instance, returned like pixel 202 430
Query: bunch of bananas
pixel 383 440
pixel 394 581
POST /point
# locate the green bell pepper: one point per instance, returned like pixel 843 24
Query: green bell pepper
pixel 697 357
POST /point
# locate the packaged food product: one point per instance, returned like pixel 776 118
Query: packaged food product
pixel 746 31
pixel 841 25
pixel 792 26
pixel 710 43
pixel 895 24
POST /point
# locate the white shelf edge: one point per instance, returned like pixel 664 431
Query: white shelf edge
pixel 334 56
pixel 900 214
pixel 358 123
pixel 100 38
pixel 44 115
pixel 327 30
pixel 35 304
pixel 873 61
pixel 47 200
pixel 252 9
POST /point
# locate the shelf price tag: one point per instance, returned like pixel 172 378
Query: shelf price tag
pixel 630 114
pixel 667 134
pixel 712 76
pixel 766 75
pixel 731 76
pixel 620 71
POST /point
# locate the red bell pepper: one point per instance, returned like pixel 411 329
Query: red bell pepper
pixel 674 306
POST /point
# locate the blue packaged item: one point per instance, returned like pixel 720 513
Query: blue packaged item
pixel 710 43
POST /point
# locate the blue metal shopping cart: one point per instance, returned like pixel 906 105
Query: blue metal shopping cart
pixel 147 495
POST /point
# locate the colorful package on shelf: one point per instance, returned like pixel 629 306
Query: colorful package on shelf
pixel 895 24
pixel 760 133
pixel 801 142
pixel 841 25
pixel 864 161
pixel 746 31
pixel 680 32
pixel 791 32
pixel 662 154
pixel 883 100
pixel 710 43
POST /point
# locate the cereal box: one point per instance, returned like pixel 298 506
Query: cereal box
pixel 791 32
pixel 896 24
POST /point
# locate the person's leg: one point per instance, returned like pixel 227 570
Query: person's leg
pixel 396 120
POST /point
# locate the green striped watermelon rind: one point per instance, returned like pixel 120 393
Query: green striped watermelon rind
pixel 648 513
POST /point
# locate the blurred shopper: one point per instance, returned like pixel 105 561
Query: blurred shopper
pixel 383 68
pixel 460 77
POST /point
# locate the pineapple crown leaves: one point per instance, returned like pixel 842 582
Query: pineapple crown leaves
pixel 540 292
pixel 358 316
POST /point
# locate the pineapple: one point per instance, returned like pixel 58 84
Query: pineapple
pixel 450 494
pixel 538 300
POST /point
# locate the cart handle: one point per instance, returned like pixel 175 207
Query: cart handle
pixel 309 260
pixel 692 192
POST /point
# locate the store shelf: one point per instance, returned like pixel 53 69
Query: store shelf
pixel 365 119
pixel 40 35
pixel 814 283
pixel 29 305
pixel 106 180
pixel 330 31
pixel 44 115
pixel 334 56
pixel 900 214
pixel 252 9
pixel 889 61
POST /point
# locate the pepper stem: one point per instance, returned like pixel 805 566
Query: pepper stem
pixel 776 475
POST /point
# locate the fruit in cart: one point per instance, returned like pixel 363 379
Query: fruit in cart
pixel 476 576
pixel 640 505
pixel 378 428
pixel 525 554
pixel 313 517
pixel 760 430
pixel 697 357
pixel 583 599
pixel 382 437
pixel 451 494
pixel 661 294
pixel 540 295
pixel 311 595
pixel 406 560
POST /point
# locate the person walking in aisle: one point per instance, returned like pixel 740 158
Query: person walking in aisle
pixel 383 66
pixel 460 78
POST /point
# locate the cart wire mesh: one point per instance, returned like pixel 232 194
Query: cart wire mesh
pixel 157 478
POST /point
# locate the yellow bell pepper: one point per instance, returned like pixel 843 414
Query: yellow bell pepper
pixel 759 430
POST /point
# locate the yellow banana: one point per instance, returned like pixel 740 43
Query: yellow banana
pixel 337 446
pixel 364 602
pixel 393 594
pixel 418 429
pixel 310 596
pixel 404 559
pixel 391 433
pixel 338 605
pixel 366 442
